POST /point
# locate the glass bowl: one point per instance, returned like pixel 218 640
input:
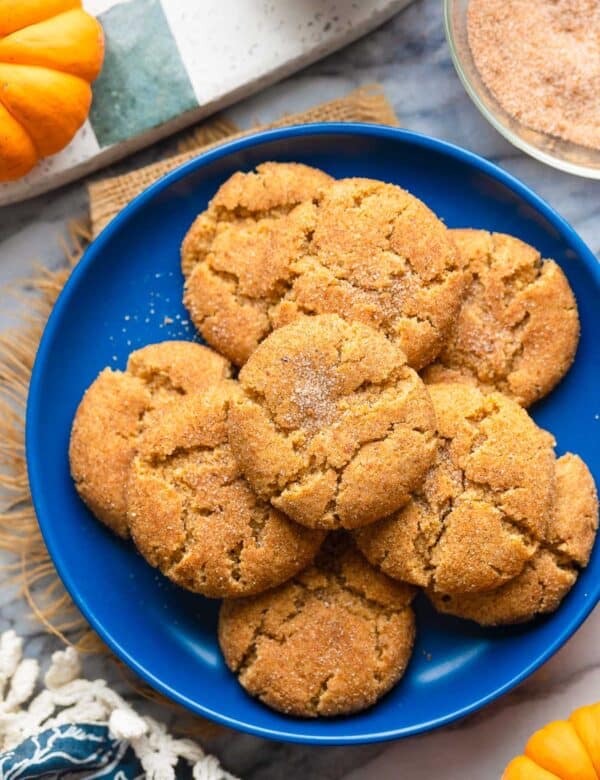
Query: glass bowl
pixel 564 155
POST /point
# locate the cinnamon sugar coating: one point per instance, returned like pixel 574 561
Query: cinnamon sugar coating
pixel 541 61
pixel 518 328
pixel 553 570
pixel 379 256
pixel 483 508
pixel 193 515
pixel 333 427
pixel 112 412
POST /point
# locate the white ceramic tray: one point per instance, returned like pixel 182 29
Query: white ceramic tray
pixel 171 62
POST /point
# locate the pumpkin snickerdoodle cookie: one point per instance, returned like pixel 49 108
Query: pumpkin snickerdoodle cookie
pixel 333 427
pixel 330 642
pixel 379 256
pixel 111 414
pixel 553 570
pixel 483 508
pixel 368 251
pixel 518 328
pixel 193 515
pixel 236 257
pixel 252 201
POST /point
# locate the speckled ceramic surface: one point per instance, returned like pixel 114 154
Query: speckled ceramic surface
pixel 168 63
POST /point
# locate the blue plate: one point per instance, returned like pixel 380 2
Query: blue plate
pixel 117 299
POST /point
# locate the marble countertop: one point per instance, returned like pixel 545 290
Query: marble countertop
pixel 409 56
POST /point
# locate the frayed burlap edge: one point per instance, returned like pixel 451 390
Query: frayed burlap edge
pixel 31 569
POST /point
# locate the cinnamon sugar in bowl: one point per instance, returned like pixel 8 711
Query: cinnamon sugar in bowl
pixel 491 44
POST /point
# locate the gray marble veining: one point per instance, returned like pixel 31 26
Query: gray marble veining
pixel 409 57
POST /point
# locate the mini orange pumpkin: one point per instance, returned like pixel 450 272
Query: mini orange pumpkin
pixel 50 51
pixel 562 750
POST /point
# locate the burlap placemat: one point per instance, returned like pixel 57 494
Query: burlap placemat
pixel 32 569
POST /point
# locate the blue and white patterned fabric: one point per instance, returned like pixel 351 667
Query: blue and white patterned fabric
pixel 65 726
pixel 71 750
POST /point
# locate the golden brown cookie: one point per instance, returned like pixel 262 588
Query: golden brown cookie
pixel 334 428
pixel 518 328
pixel 379 256
pixel 329 642
pixel 483 508
pixel 553 570
pixel 192 514
pixel 111 413
pixel 366 250
pixel 572 532
pixel 250 201
pixel 237 255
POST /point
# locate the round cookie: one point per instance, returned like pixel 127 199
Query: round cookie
pixel 518 328
pixel 111 414
pixel 193 516
pixel 380 256
pixel 553 570
pixel 365 250
pixel 572 532
pixel 333 427
pixel 252 200
pixel 236 257
pixel 483 508
pixel 330 642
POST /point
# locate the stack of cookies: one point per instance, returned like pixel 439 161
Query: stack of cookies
pixel 375 441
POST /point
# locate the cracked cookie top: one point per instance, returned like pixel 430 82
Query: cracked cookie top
pixel 333 427
pixel 553 570
pixel 379 256
pixel 483 507
pixel 365 250
pixel 193 515
pixel 111 415
pixel 330 642
pixel 518 328
pixel 237 255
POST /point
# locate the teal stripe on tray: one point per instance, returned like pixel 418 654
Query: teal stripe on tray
pixel 143 82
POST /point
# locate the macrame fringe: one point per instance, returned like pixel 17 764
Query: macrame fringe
pixel 67 698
